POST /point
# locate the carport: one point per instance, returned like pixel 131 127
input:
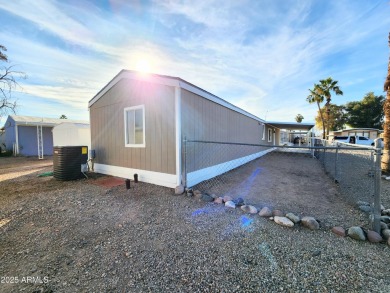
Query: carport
pixel 293 131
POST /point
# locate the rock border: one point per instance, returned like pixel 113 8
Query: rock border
pixel 290 220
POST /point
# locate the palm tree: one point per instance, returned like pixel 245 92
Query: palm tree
pixel 324 88
pixel 299 118
pixel 315 97
pixel 386 125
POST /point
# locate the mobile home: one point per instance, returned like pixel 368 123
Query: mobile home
pixel 139 121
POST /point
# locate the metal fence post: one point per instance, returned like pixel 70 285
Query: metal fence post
pixel 336 177
pixel 372 158
pixel 313 140
pixel 377 189
pixel 325 145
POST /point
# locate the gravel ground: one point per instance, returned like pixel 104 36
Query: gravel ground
pixel 293 182
pixel 80 237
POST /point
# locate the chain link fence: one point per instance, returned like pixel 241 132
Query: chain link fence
pixel 281 176
pixel 351 166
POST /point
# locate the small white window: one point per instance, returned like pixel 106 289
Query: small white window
pixel 269 135
pixel 135 126
pixel 263 138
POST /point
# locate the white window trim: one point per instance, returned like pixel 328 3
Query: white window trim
pixel 125 126
pixel 269 134
pixel 263 138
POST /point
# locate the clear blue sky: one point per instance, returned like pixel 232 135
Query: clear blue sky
pixel 261 55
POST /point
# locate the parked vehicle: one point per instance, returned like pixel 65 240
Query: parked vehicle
pixel 354 140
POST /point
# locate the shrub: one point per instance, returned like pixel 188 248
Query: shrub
pixel 6 153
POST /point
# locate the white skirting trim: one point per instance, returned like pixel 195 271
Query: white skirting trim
pixel 163 179
pixel 198 176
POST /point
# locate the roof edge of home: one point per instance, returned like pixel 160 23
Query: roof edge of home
pixel 295 123
pixel 53 121
pixel 172 81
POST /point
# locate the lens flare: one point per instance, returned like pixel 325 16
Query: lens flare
pixel 143 65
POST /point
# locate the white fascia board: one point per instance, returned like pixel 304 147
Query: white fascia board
pixel 170 81
pixel 162 179
pixel 198 176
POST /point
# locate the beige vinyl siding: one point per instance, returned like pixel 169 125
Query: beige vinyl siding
pixel 205 120
pixel 108 132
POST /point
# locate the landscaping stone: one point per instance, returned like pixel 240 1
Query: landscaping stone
pixel 385 219
pixel 386 212
pixel 356 233
pixel 362 203
pixel 265 212
pixel 218 200
pixel 207 197
pixel 339 231
pixel 374 237
pixel 249 209
pixel 227 198
pixel 283 221
pixel 213 195
pixel 238 201
pixel 278 213
pixel 295 219
pixel 197 194
pixel 365 209
pixel 316 253
pixel 310 222
pixel 386 233
pixel 179 189
pixel 383 226
pixel 230 204
pixel 388 242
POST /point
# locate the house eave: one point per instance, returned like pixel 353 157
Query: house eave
pixel 170 81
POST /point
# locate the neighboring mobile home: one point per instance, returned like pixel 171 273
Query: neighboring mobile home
pixel 371 133
pixel 138 123
pixel 31 136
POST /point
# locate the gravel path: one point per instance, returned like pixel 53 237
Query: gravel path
pixel 79 237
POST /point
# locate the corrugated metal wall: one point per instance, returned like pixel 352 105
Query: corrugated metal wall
pixel 107 127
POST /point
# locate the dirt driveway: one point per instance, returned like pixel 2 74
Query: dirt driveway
pixel 80 237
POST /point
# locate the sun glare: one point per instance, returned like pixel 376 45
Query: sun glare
pixel 143 65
